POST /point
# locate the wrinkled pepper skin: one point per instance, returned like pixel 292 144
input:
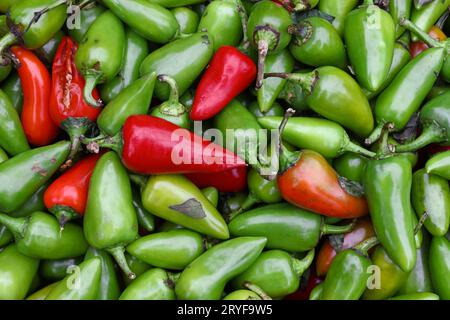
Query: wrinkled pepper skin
pixel 172 250
pixel 426 16
pixel 439 165
pixel 192 55
pixel 339 10
pixel 155 284
pixel 39 236
pixel 187 19
pixel 205 278
pixel 431 194
pixel 87 17
pixel 22 175
pixel 186 205
pixel 55 270
pixel 387 183
pixel 440 266
pixel 16 273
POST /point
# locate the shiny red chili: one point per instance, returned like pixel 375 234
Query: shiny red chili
pixel 36 85
pixel 233 180
pixel 229 73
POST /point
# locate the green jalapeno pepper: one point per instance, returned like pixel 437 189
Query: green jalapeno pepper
pixel 55 270
pixel 176 3
pixel 137 266
pixel 339 10
pixel 146 219
pixel 242 295
pixel 187 19
pixel 205 278
pixel 294 96
pixel 155 284
pixel 12 87
pixel 87 16
pixel 417 296
pixel 33 204
pixel 42 293
pixel 316 293
pixel 212 194
pixel 276 110
pixel 351 166
pixel 439 165
pixel 426 16
pixel 400 9
pixel 440 266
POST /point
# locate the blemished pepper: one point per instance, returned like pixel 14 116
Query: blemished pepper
pixel 176 199
pixel 317 43
pixel 370 37
pixel 387 184
pixel 82 285
pixel 339 10
pixel 110 222
pixel 87 16
pixel 276 272
pixel 439 260
pixel 187 19
pixel 22 175
pixel 109 288
pixel 350 165
pixel 13 89
pixel 172 250
pixel 205 278
pixel 100 54
pixel 294 96
pixel 33 23
pixel 348 274
pixel 145 219
pixel 192 55
pixel 229 73
pixel 427 15
pixel 267 30
pixel 136 50
pixel 55 270
pixel 439 165
pixel 133 100
pixel 400 9
pixel 154 284
pixel 430 194
pixel 16 273
pixel 286 227
pixel 232 180
pixel 349 106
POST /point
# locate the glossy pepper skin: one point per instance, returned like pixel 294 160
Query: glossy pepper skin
pixel 84 287
pixel 47 52
pixel 205 278
pixel 42 293
pixel 370 36
pixel 417 296
pixel 187 19
pixel 286 227
pixel 13 89
pixel 67 106
pixel 146 219
pixel 100 53
pixel 172 250
pixel 439 165
pixel 350 165
pixel 339 10
pixel 192 55
pixel 229 73
pixel 110 223
pixel 33 204
pixel 36 85
pixel 66 197
pixel 431 194
pixel 426 16
pixel 232 180
pixel 242 295
pixel 39 236
pixel 55 270
pixel 185 205
pixel 175 3
pixel 400 9
pixel 16 273
pixel 387 184
pixel 276 272
pixel 13 138
pixel 87 16
pixel 440 266
pixel 320 192
pixel 362 230
pixel 317 43
pixel 22 175
pixel 133 100
pixel 154 284
pixel 136 51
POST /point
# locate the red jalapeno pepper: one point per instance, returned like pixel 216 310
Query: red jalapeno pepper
pixel 233 180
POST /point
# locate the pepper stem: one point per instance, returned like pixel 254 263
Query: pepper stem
pixel 377 132
pixel 306 80
pixel 92 78
pixel 301 5
pixel 93 145
pixel 17 226
pixel 366 245
pixel 119 256
pixel 245 44
pixel 425 37
pixel 64 214
pixel 76 129
pixel 172 106
pixel 263 49
pixel 38 14
pixel 256 289
pixel 431 133
pixel 247 204
pixel 328 229
pixel 300 266
pixel 6 41
pixel 353 147
pixel 419 225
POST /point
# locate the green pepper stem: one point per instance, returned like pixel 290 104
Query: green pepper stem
pixel 93 145
pixel 173 277
pixel 301 265
pixel 256 289
pixel 172 106
pixel 263 49
pixel 92 78
pixel 245 44
pixel 76 128
pixel 366 245
pixel 6 41
pixel 328 229
pixel 17 226
pixel 367 2
pixel 249 202
pixel 64 214
pixel 119 256
pixel 425 37
pixel 432 133
pixel 378 131
pixel 306 80
pixel 353 147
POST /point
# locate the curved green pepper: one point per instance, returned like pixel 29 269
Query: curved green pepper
pixel 400 9
pixel 205 278
pixel 438 89
pixel 286 227
pixel 82 285
pixel 16 273
pixel 187 19
pixel 33 204
pixel 48 51
pixel 276 110
pixel 55 270
pixel 316 293
pixel 172 250
pixel 430 194
pixel 136 51
pixel 42 293
pixel 192 55
pixel 109 283
pixel 155 284
pixel 12 87
pixel 110 221
pixel 13 138
pixel 439 165
pixel 440 266
pixel 417 296
pixel 100 54
pixel 137 266
pixel 387 184
pixel 40 236
pixel 134 99
pixel 86 17
pixel 339 10
pixel 276 272
pixel 177 199
pixel 146 219
pixel 351 166
pixel 242 295
pixel 317 43
pixel 22 175
pixel 426 16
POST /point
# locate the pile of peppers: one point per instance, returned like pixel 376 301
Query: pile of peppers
pixel 127 159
